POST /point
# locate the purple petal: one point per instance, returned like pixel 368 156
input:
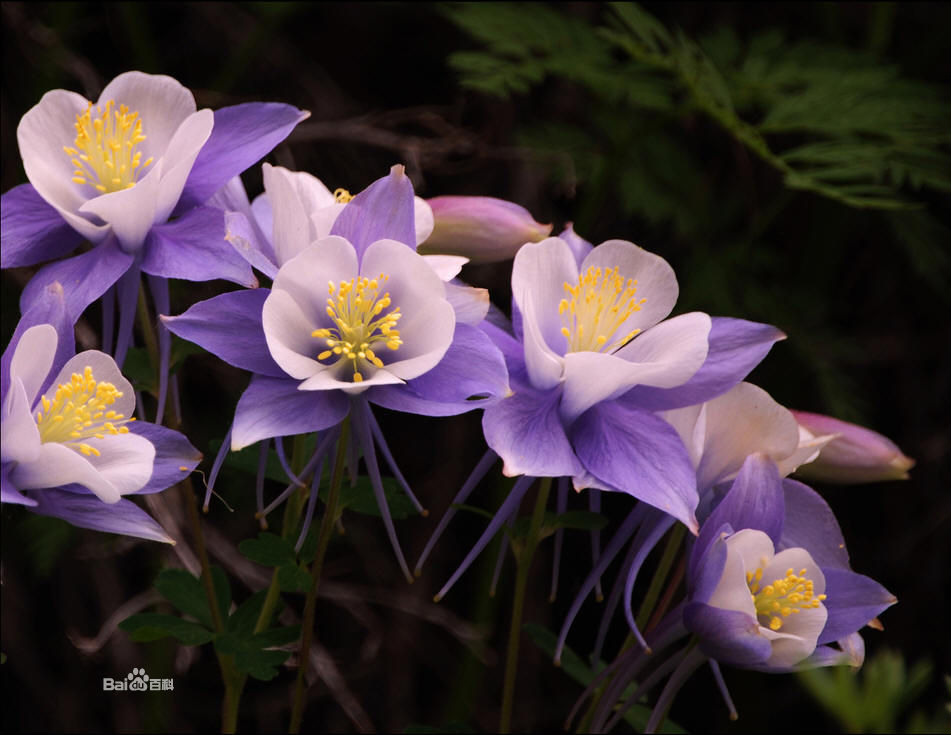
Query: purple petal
pixel 640 454
pixel 242 135
pixel 84 277
pixel 811 525
pixel 511 348
pixel 852 600
pixel 707 561
pixel 8 491
pixel 31 231
pixel 579 246
pixel 736 347
pixel 755 500
pixel 727 636
pixel 193 248
pixel 272 407
pixel 525 430
pixel 88 511
pixel 175 457
pixel 248 241
pixel 384 210
pixel 229 326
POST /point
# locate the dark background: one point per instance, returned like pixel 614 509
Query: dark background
pixel 869 342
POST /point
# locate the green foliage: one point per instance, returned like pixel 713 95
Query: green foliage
pixel 47 540
pixel 145 627
pixel 870 700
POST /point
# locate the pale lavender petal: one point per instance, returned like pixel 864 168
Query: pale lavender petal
pixel 33 360
pixel 104 369
pixel 810 523
pixel 446 267
pixel 87 511
pixel 640 454
pixel 125 461
pixel 384 210
pixel 8 492
pixel 248 242
pixel 193 248
pixel 84 277
pixel 131 212
pixel 178 160
pixel 727 636
pixel 59 465
pixel 293 195
pixel 579 246
pixel 229 326
pixel 539 275
pixel 525 430
pixel 470 304
pixel 736 347
pixel 272 407
pixel 31 231
pixel 545 368
pixel 852 601
pixel 19 432
pixel 242 135
pixel 175 457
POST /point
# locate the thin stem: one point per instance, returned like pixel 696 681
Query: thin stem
pixel 524 563
pixel 660 575
pixel 145 324
pixel 323 540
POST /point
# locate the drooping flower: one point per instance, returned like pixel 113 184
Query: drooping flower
pixel 353 318
pixel 483 229
pixel 131 173
pixel 71 447
pixel 855 455
pixel 591 361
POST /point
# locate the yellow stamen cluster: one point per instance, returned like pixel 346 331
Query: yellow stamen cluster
pixel 596 308
pixel 356 307
pixel 342 196
pixel 783 597
pixel 79 411
pixel 104 154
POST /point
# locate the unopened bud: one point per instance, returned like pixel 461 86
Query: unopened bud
pixel 856 454
pixel 483 229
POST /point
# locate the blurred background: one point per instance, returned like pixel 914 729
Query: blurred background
pixel 790 160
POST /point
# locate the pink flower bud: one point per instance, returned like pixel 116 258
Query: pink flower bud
pixel 483 229
pixel 856 455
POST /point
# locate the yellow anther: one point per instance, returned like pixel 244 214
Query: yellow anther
pixel 342 196
pixel 361 321
pixel 596 308
pixel 107 143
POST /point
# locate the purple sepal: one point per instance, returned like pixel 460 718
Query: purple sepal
pixel 272 407
pixel 755 500
pixel 31 231
pixel 810 524
pixel 727 636
pixel 640 454
pixel 84 277
pixel 229 326
pixel 193 248
pixel 250 244
pixel 511 348
pixel 707 561
pixel 87 511
pixel 382 211
pixel 242 135
pixel 175 457
pixel 852 600
pixel 525 430
pixel 8 492
pixel 736 347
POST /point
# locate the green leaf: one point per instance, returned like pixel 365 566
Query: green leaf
pixel 145 627
pixel 222 590
pixel 47 539
pixel 292 578
pixel 473 509
pixel 250 655
pixel 245 617
pixel 277 636
pixel 185 592
pixel 360 498
pixel 583 520
pixel 268 549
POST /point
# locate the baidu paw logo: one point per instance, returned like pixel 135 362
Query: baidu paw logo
pixel 138 680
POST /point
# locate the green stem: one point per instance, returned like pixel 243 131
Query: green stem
pixel 145 324
pixel 323 540
pixel 524 563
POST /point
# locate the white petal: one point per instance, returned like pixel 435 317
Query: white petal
pixel 668 354
pixel 656 281
pixel 323 219
pixel 178 161
pixel 802 631
pixel 125 461
pixel 732 591
pixel 592 377
pixel 423 216
pixel 58 465
pixel 743 421
pixel 809 447
pixel 287 330
pixel 446 267
pixel 130 212
pixel 754 547
pixel 19 434
pixel 545 368
pixel 796 559
pixel 104 369
pixel 264 216
pixel 690 423
pixel 340 377
pixel 41 135
pixel 33 359
pixel 539 274
pixel 162 102
pixel 294 197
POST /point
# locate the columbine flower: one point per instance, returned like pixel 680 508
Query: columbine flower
pixel 70 447
pixel 131 173
pixel 483 229
pixel 854 455
pixel 353 318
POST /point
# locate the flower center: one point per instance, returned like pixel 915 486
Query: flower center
pixel 356 307
pixel 782 597
pixel 78 411
pixel 104 154
pixel 342 196
pixel 595 308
